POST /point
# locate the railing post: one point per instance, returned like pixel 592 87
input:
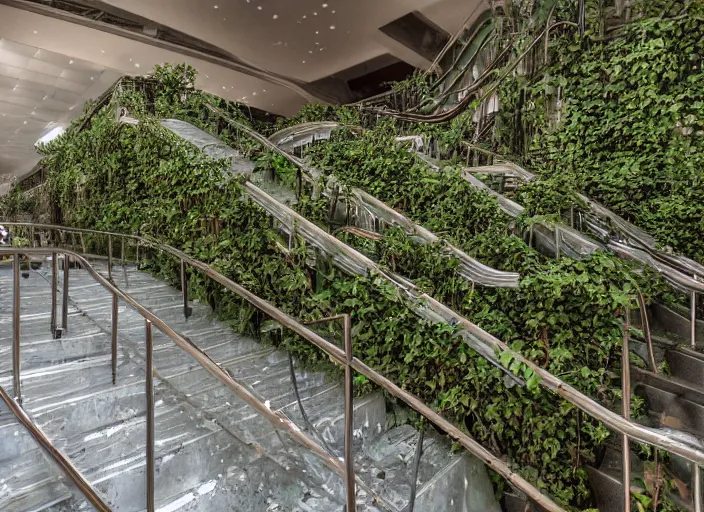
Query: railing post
pixel 626 406
pixel 150 417
pixel 114 339
pixel 16 328
pixel 110 257
pixel 693 319
pixel 122 261
pixel 557 242
pixel 349 414
pixel 54 290
pixel 64 305
pixel 697 488
pixel 184 288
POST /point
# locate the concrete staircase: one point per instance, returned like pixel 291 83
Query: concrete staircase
pixel 213 452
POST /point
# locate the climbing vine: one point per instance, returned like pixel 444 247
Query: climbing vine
pixel 564 316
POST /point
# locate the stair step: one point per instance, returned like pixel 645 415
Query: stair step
pixel 213 452
pixel 447 482
pixel 28 480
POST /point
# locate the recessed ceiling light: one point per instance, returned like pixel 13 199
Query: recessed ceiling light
pixel 325 6
pixel 317 31
pixel 333 12
pixel 304 62
pixel 275 16
pixel 34 31
pixel 71 61
pixel 136 64
pixel 102 51
pixel 259 7
pixel 215 7
pixel 332 27
pixel 315 14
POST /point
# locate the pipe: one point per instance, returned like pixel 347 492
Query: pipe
pixel 349 413
pixel 697 488
pixel 64 304
pixel 693 319
pixel 113 335
pixel 626 406
pixel 54 290
pixel 646 332
pixel 150 415
pixel 63 462
pixel 184 290
pixel 110 257
pixel 16 328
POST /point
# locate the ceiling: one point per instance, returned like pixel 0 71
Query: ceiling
pixel 40 90
pixel 272 54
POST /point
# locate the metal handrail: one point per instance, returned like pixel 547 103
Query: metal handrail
pixel 62 460
pixel 343 357
pixel 623 426
pixel 276 419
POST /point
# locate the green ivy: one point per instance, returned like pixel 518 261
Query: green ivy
pixel 564 316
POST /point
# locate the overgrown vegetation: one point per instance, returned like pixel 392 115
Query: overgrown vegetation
pixel 631 134
pixel 565 316
pixel 631 131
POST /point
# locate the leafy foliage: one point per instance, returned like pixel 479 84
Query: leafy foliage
pixel 631 133
pixel 564 316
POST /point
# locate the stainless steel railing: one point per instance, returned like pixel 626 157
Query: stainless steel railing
pixel 344 357
pixel 62 460
pixel 621 424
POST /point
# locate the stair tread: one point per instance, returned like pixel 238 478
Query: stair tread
pixel 204 459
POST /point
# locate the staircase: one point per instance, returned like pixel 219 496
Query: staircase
pixel 213 452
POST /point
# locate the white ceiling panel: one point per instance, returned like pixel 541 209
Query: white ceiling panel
pixel 40 90
pixel 45 68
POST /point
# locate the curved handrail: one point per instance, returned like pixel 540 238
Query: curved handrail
pixel 681 272
pixel 689 450
pixel 331 349
pixel 275 418
pixel 471 268
pixel 59 457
